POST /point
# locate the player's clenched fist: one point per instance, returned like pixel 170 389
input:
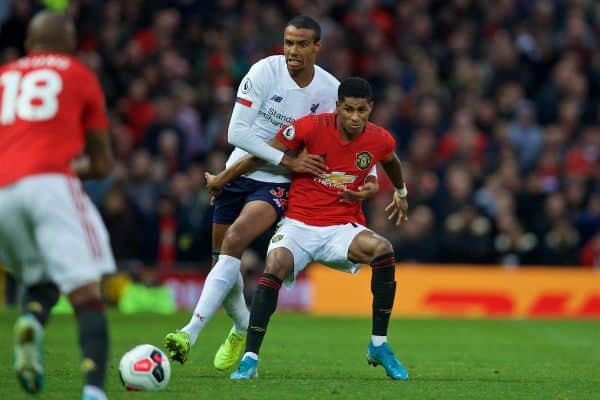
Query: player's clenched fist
pixel 213 185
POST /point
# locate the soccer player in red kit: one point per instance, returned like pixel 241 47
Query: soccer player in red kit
pixel 51 236
pixel 320 225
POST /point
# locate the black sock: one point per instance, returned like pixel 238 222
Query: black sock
pixel 93 340
pixel 264 303
pixel 39 300
pixel 383 288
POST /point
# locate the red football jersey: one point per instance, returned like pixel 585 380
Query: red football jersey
pixel 47 103
pixel 316 200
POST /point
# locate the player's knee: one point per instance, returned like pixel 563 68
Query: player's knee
pixel 280 262
pixel 234 241
pixel 88 293
pixel 381 247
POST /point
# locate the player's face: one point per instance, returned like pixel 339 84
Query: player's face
pixel 353 114
pixel 300 49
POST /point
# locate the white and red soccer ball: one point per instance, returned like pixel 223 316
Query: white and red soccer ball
pixel 144 368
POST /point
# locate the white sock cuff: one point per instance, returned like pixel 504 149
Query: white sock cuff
pixel 226 269
pixel 250 354
pixel 229 259
pixel 94 391
pixel 378 340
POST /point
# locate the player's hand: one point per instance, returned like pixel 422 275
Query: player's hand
pixel 305 163
pixel 214 185
pixel 366 191
pixel 399 208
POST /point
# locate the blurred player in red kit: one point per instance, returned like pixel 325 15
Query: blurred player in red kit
pixel 51 236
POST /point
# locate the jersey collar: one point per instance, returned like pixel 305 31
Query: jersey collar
pixel 289 83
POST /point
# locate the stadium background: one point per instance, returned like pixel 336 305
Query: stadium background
pixel 494 105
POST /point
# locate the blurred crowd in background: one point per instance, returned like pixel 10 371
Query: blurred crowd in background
pixel 495 105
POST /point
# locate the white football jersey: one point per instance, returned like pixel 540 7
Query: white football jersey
pixel 269 88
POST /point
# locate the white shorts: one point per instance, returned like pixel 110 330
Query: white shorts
pixel 327 245
pixel 50 231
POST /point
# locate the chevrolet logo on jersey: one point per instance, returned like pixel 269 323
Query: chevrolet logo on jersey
pixel 363 160
pixel 336 179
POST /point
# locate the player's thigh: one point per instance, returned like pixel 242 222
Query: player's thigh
pixel 18 251
pixel 368 245
pixel 265 205
pixel 69 233
pixel 256 217
pixel 274 194
pixel 299 241
pixel 336 251
pixel 228 206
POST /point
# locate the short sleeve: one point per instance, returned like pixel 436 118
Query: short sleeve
pixel 389 146
pixel 94 110
pixel 297 135
pixel 254 85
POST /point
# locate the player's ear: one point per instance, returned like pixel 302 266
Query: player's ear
pixel 370 103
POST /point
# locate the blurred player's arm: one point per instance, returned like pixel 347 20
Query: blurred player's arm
pixel 399 205
pixel 97 160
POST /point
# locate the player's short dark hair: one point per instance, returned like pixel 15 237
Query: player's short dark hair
pixel 355 87
pixel 306 22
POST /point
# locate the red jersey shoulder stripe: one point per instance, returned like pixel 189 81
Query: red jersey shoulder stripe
pixel 243 102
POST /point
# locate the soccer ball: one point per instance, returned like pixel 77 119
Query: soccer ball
pixel 145 367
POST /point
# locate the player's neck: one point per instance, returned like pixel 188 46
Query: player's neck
pixel 47 49
pixel 346 136
pixel 305 77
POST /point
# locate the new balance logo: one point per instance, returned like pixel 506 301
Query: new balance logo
pixel 276 98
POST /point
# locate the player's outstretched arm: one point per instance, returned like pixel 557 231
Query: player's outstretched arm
pixel 303 163
pixel 97 161
pixel 215 183
pixel 399 206
pixel 240 134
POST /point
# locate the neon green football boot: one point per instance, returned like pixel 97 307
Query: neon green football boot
pixel 178 345
pixel 230 352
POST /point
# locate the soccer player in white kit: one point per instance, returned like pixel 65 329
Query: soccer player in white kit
pixel 51 236
pixel 275 92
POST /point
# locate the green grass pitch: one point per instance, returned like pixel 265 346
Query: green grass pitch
pixel 306 357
